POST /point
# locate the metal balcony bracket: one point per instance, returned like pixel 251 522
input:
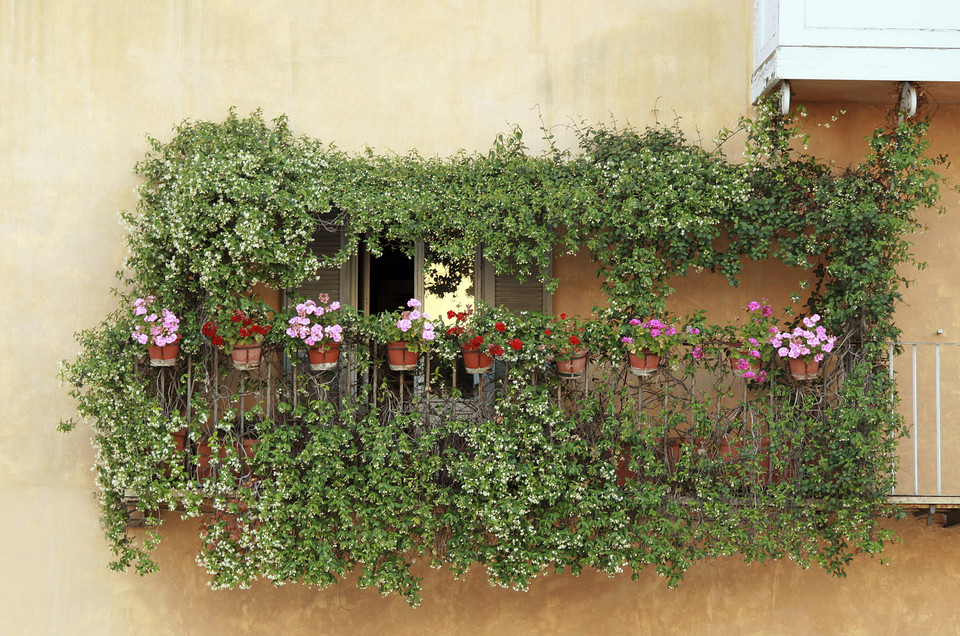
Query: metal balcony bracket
pixel 951 518
pixel 932 510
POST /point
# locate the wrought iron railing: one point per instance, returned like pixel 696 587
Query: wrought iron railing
pixel 207 390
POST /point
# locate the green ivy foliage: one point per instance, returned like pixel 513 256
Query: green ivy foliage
pixel 225 206
pixel 358 480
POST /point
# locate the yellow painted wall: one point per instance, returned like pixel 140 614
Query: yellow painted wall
pixel 84 81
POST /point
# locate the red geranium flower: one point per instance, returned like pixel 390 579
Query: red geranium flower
pixel 496 350
pixel 547 332
pixel 209 329
pixel 574 340
pixel 217 341
pixel 450 314
pixel 516 344
pixel 500 327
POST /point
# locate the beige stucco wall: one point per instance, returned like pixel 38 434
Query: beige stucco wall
pixel 82 83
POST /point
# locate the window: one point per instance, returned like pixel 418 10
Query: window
pixel 386 282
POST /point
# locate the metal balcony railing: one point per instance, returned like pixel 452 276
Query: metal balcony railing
pixel 928 378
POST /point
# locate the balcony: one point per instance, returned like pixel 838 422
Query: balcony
pixel 690 417
pixel 855 51
pixel 928 376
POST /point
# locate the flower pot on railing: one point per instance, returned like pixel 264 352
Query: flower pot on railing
pixel 180 442
pixel 166 355
pixel 399 358
pixel 244 449
pixel 732 452
pixel 741 359
pixel 476 361
pixel 246 357
pixel 572 364
pixel 643 363
pixel 325 357
pixel 803 370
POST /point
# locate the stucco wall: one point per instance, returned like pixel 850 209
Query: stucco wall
pixel 83 82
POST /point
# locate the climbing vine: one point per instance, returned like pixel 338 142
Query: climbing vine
pixel 361 471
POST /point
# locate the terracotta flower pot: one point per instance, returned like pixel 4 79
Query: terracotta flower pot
pixel 246 357
pixel 754 363
pixel 244 449
pixel 399 358
pixel 801 370
pixel 666 449
pixel 180 441
pixel 643 364
pixel 166 355
pixel 730 451
pixel 572 364
pixel 476 361
pixel 326 358
pixel 623 466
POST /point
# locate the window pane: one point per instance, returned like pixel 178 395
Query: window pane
pixel 448 286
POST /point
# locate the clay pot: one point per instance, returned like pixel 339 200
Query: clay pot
pixel 572 364
pixel 166 355
pixel 476 361
pixel 801 370
pixel 646 363
pixel 246 357
pixel 244 449
pixel 325 358
pixel 180 440
pixel 399 358
pixel 671 450
pixel 729 451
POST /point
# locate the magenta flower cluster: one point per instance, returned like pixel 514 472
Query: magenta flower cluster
pixel 312 333
pixel 808 344
pixel 158 329
pixel 645 338
pixel 748 358
pixel 407 318
pixel 765 310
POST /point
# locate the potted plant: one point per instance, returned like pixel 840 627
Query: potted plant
pixel 565 336
pixel 207 467
pixel 239 326
pixel 749 345
pixel 319 328
pixel 480 336
pixel 158 331
pixel 646 342
pixel 804 347
pixel 407 333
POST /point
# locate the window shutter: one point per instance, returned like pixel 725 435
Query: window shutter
pixel 501 289
pixel 517 296
pixel 329 279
